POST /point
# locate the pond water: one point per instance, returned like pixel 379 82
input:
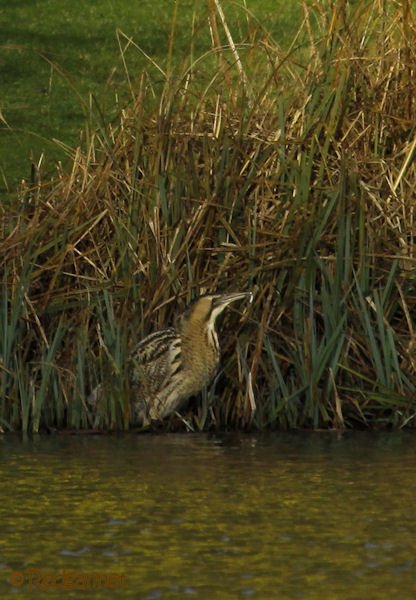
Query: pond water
pixel 304 515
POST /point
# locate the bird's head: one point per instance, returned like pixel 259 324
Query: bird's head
pixel 205 309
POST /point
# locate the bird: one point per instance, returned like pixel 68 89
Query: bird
pixel 169 366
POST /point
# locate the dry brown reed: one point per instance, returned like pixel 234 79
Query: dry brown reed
pixel 288 173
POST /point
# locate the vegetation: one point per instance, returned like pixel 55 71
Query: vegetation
pixel 61 66
pixel 287 172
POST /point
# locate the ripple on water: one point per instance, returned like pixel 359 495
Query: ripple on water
pixel 223 517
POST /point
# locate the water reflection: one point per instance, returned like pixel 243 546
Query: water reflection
pixel 274 516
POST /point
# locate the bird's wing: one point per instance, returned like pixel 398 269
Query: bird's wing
pixel 155 361
pixel 153 346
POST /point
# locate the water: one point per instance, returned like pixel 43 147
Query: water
pixel 177 516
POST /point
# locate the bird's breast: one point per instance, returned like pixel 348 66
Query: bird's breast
pixel 201 358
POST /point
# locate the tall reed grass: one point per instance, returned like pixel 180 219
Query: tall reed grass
pixel 290 173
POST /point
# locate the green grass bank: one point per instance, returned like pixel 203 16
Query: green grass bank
pixel 63 65
pixel 289 172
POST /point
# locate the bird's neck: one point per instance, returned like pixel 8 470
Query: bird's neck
pixel 201 338
pixel 213 337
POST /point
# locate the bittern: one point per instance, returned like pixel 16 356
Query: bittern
pixel 169 366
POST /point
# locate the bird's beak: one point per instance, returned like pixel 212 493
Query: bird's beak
pixel 226 299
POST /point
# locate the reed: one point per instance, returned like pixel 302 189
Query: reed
pixel 289 173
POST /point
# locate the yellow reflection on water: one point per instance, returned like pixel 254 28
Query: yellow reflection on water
pixel 277 516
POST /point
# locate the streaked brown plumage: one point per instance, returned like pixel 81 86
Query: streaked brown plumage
pixel 171 365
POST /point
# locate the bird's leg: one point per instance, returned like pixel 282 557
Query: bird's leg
pixel 185 422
